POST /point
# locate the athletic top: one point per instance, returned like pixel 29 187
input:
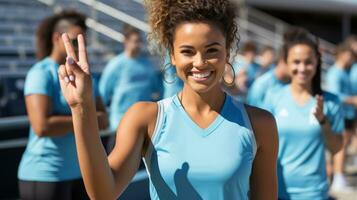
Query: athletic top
pixel 109 78
pixel 253 70
pixel 301 157
pixel 338 82
pixel 260 87
pixel 126 81
pixel 185 161
pixel 353 76
pixel 49 159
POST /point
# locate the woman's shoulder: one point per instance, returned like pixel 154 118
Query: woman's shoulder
pixel 259 115
pixel 143 111
pixel 263 124
pixel 41 65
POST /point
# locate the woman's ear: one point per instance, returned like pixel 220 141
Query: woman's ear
pixel 56 37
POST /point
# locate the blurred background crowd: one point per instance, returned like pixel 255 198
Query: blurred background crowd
pixel 124 70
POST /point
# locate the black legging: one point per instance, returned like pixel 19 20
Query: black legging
pixel 64 190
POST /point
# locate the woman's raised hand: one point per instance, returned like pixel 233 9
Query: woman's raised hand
pixel 75 78
pixel 319 109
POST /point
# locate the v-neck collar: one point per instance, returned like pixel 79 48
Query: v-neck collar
pixel 307 104
pixel 213 125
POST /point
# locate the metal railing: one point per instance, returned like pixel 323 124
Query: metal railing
pixel 117 14
pixel 94 24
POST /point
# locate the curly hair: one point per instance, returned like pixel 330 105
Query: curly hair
pixel 165 15
pixel 50 25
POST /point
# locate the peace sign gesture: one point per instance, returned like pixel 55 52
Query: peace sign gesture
pixel 75 78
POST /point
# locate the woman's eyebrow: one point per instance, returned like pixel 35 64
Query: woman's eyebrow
pixel 209 45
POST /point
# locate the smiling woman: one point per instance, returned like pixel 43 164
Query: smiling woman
pixel 198 144
pixel 309 121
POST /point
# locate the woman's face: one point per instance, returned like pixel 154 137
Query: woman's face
pixel 199 54
pixel 73 32
pixel 133 43
pixel 302 64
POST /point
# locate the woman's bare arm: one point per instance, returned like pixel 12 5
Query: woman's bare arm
pixel 264 184
pixel 45 124
pixel 104 178
pixel 39 111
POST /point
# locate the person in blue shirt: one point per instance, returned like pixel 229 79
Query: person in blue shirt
pixel 338 82
pixel 198 144
pixel 252 69
pixel 353 77
pixel 49 167
pixel 266 59
pixel 351 41
pixel 309 121
pixel 128 78
pixel 274 79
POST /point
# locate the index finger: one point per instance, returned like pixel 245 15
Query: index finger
pixel 68 46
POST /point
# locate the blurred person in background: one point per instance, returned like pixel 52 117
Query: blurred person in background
pixel 351 41
pixel 266 59
pixel 128 78
pixel 309 121
pixel 272 80
pixel 338 82
pixel 49 167
pixel 247 63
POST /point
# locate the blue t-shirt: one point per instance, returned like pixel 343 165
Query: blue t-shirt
pixel 338 82
pixel 49 158
pixel 260 87
pixel 126 81
pixel 185 161
pixel 353 77
pixel 109 78
pixel 301 158
pixel 253 70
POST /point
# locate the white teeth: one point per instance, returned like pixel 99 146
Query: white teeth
pixel 201 75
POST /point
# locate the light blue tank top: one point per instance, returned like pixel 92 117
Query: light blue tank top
pixel 185 161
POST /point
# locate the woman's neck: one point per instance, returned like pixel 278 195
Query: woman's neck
pixel 301 89
pixel 341 64
pixel 57 57
pixel 202 102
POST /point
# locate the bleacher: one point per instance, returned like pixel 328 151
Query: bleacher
pixel 19 20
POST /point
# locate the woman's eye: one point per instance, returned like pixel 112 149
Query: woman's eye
pixel 212 50
pixel 186 52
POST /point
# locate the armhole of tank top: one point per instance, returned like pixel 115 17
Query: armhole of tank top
pixel 246 119
pixel 159 116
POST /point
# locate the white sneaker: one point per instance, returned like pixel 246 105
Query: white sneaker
pixel 340 184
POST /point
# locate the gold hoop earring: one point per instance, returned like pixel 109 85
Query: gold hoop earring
pixel 167 73
pixel 234 77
